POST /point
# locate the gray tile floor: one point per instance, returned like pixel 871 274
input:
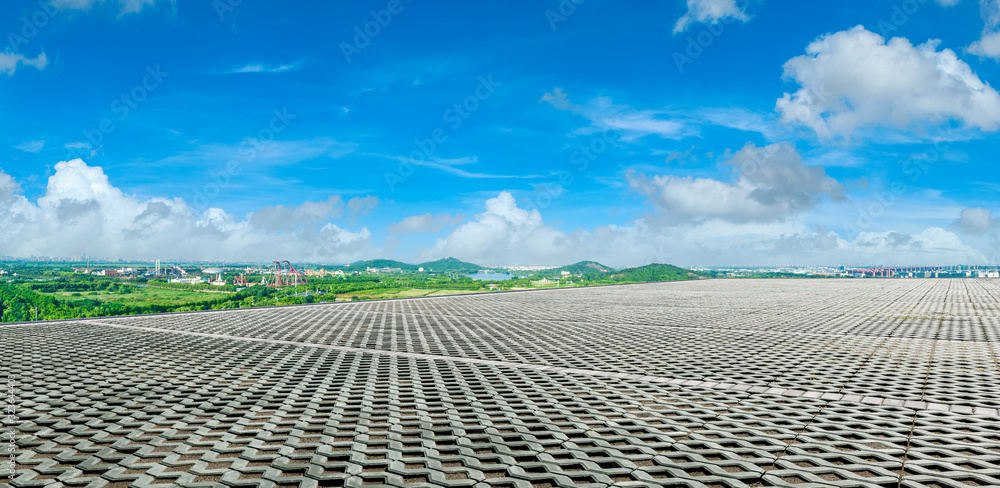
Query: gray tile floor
pixel 711 383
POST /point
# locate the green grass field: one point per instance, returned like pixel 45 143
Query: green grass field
pixel 142 296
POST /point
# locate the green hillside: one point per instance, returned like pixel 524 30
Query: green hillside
pixel 450 265
pixel 379 263
pixel 588 269
pixel 653 272
pixel 597 272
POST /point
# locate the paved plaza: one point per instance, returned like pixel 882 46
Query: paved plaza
pixel 715 383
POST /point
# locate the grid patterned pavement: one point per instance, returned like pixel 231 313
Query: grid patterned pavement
pixel 711 383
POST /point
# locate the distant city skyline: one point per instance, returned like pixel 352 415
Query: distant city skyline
pixel 690 132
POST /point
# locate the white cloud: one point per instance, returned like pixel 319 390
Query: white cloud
pixel 772 184
pixel 976 221
pixel 280 219
pixel 453 166
pixel 31 146
pixel 9 62
pixel 989 45
pixel 990 10
pixel 605 115
pixel 363 205
pixel 262 68
pixel 262 153
pixel 127 6
pixel 507 234
pixel 133 6
pixel 425 223
pixel 742 119
pixel 856 79
pixel 504 233
pixel 82 212
pixel 630 124
pixel 710 12
pixel 449 166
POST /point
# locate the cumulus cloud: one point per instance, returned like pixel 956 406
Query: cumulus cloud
pixel 363 205
pixel 503 233
pixel 507 234
pixel 425 223
pixel 855 79
pixel 9 62
pixel 710 12
pixel 989 45
pixel 975 221
pixel 772 184
pixel 82 212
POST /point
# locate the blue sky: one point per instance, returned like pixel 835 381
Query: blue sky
pixel 698 132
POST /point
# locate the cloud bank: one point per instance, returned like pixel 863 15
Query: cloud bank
pixel 504 233
pixel 82 212
pixel 756 219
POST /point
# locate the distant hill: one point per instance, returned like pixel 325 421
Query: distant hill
pixel 588 269
pixel 450 265
pixel 654 272
pixel 379 263
pixel 594 271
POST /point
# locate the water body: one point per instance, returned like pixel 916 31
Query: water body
pixel 490 276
